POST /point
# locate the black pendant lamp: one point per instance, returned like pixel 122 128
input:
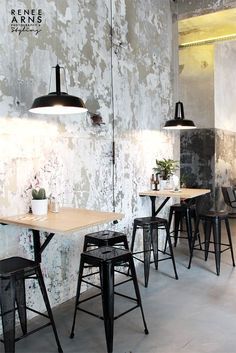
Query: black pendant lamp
pixel 58 102
pixel 179 122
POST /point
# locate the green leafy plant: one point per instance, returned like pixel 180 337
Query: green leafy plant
pixel 166 167
pixel 183 180
pixel 39 194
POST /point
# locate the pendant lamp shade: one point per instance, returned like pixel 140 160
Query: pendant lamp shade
pixel 179 122
pixel 58 102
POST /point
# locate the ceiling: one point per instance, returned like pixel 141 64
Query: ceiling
pixel 208 28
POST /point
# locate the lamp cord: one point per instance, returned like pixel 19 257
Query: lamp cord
pixel 177 52
pixel 50 80
pixel 57 33
pixel 62 67
pixel 113 111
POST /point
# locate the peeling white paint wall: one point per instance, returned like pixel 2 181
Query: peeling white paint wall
pixel 67 155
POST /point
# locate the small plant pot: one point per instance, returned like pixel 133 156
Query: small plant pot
pixel 163 184
pixel 39 207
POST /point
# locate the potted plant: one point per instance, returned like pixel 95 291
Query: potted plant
pixel 39 203
pixel 165 168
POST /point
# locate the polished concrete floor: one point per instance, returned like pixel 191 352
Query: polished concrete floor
pixel 195 314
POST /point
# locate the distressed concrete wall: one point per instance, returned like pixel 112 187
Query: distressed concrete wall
pixel 225 78
pixel 196 84
pixel 225 163
pixel 225 97
pixel 189 8
pixel 207 80
pixel 67 155
pixel 208 160
pixel 197 151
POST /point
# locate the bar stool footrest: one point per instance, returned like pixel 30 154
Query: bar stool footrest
pixel 115 317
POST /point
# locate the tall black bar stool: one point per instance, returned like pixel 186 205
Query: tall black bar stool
pixel 105 238
pixel 212 221
pixel 13 273
pixel 106 258
pixel 150 227
pixel 182 212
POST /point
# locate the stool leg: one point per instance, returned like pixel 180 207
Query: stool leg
pixel 171 250
pixel 7 303
pixel 85 244
pixel 126 245
pixel 133 237
pixel 132 241
pixel 147 252
pixel 193 215
pixel 169 223
pixel 21 303
pixel 165 246
pixel 81 267
pixel 196 232
pixel 176 227
pixel 207 234
pixel 217 245
pixel 230 239
pixel 48 307
pixel 198 235
pixel 188 227
pixel 154 235
pixel 107 289
pixel 137 292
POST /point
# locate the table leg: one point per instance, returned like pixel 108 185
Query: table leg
pixel 153 201
pixel 38 248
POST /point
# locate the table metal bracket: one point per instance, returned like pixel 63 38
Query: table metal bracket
pixel 38 248
pixel 153 201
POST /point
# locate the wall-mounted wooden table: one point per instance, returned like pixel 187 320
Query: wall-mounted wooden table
pixel 68 220
pixel 182 193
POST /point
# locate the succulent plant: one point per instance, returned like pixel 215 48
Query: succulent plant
pixel 39 194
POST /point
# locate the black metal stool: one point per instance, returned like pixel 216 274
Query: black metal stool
pixel 182 211
pixel 106 258
pixel 211 220
pixel 150 226
pixel 105 238
pixel 13 273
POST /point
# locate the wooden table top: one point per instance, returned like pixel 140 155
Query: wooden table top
pixel 67 220
pixel 182 193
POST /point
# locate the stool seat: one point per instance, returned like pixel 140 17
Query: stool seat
pixel 105 238
pixel 149 220
pixel 215 214
pixel 13 273
pixel 179 206
pixel 150 227
pixel 106 253
pixel 11 266
pixel 106 258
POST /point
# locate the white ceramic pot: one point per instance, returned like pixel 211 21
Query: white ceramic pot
pixel 39 207
pixel 163 184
